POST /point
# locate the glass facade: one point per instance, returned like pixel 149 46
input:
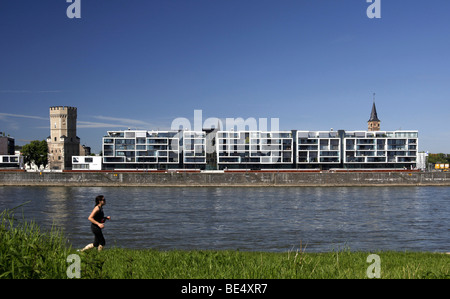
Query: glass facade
pixel 255 150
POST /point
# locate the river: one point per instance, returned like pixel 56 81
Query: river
pixel 278 219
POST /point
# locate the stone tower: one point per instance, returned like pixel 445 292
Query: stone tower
pixel 374 122
pixel 63 142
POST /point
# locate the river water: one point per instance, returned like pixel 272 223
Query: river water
pixel 315 219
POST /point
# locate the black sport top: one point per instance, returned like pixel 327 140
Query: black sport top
pixel 99 216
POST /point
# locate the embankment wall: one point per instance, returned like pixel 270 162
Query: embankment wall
pixel 248 179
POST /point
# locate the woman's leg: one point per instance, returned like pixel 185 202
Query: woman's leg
pixel 89 246
pixel 99 240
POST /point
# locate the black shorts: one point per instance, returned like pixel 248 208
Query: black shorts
pixel 99 239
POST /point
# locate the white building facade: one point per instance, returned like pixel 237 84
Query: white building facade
pixel 381 147
pixel 255 150
pixel 87 163
pixel 11 161
pixel 154 150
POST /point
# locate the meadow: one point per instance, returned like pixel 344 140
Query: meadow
pixel 27 252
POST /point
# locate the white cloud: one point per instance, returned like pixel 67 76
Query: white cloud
pixel 110 122
pixel 29 91
pixel 4 115
pixel 124 121
pixel 119 122
pixel 91 124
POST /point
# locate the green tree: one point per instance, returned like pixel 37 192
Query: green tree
pixel 438 158
pixel 36 152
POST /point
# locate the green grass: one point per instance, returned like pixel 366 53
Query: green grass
pixel 27 252
pixel 198 264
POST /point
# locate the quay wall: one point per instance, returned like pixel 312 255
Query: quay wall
pixel 233 179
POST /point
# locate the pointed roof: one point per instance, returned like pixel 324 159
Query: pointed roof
pixel 373 115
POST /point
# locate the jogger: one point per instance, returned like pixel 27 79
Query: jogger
pixel 97 218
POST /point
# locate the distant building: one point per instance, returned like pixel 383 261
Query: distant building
pixel 86 163
pixel 11 161
pixel 85 150
pixel 422 160
pixel 63 142
pixel 374 122
pixel 6 144
pixel 8 157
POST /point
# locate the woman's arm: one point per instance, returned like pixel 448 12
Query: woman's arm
pixel 91 217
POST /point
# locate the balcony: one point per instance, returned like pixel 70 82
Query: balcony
pixel 308 141
pixel 365 147
pixel 365 141
pixel 329 154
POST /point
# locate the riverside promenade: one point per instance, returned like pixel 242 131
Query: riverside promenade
pixel 223 179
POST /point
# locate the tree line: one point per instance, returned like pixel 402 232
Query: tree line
pixel 439 158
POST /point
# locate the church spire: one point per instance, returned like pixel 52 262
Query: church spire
pixel 374 122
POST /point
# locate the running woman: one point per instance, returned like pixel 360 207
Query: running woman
pixel 97 219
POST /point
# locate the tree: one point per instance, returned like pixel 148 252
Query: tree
pixel 438 158
pixel 36 152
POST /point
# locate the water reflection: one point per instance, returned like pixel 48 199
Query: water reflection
pixel 268 219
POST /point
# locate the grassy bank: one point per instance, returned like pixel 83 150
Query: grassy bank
pixel 125 263
pixel 27 252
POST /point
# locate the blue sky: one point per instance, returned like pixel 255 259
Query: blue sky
pixel 142 63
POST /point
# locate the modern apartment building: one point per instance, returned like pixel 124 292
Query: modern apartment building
pixel 146 150
pixel 257 150
pixel 140 149
pixel 254 149
pixel 380 148
pixel 316 148
pixel 194 148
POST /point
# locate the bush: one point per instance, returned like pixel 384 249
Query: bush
pixel 26 252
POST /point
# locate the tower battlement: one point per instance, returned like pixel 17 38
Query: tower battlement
pixel 63 142
pixel 63 108
pixel 63 111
